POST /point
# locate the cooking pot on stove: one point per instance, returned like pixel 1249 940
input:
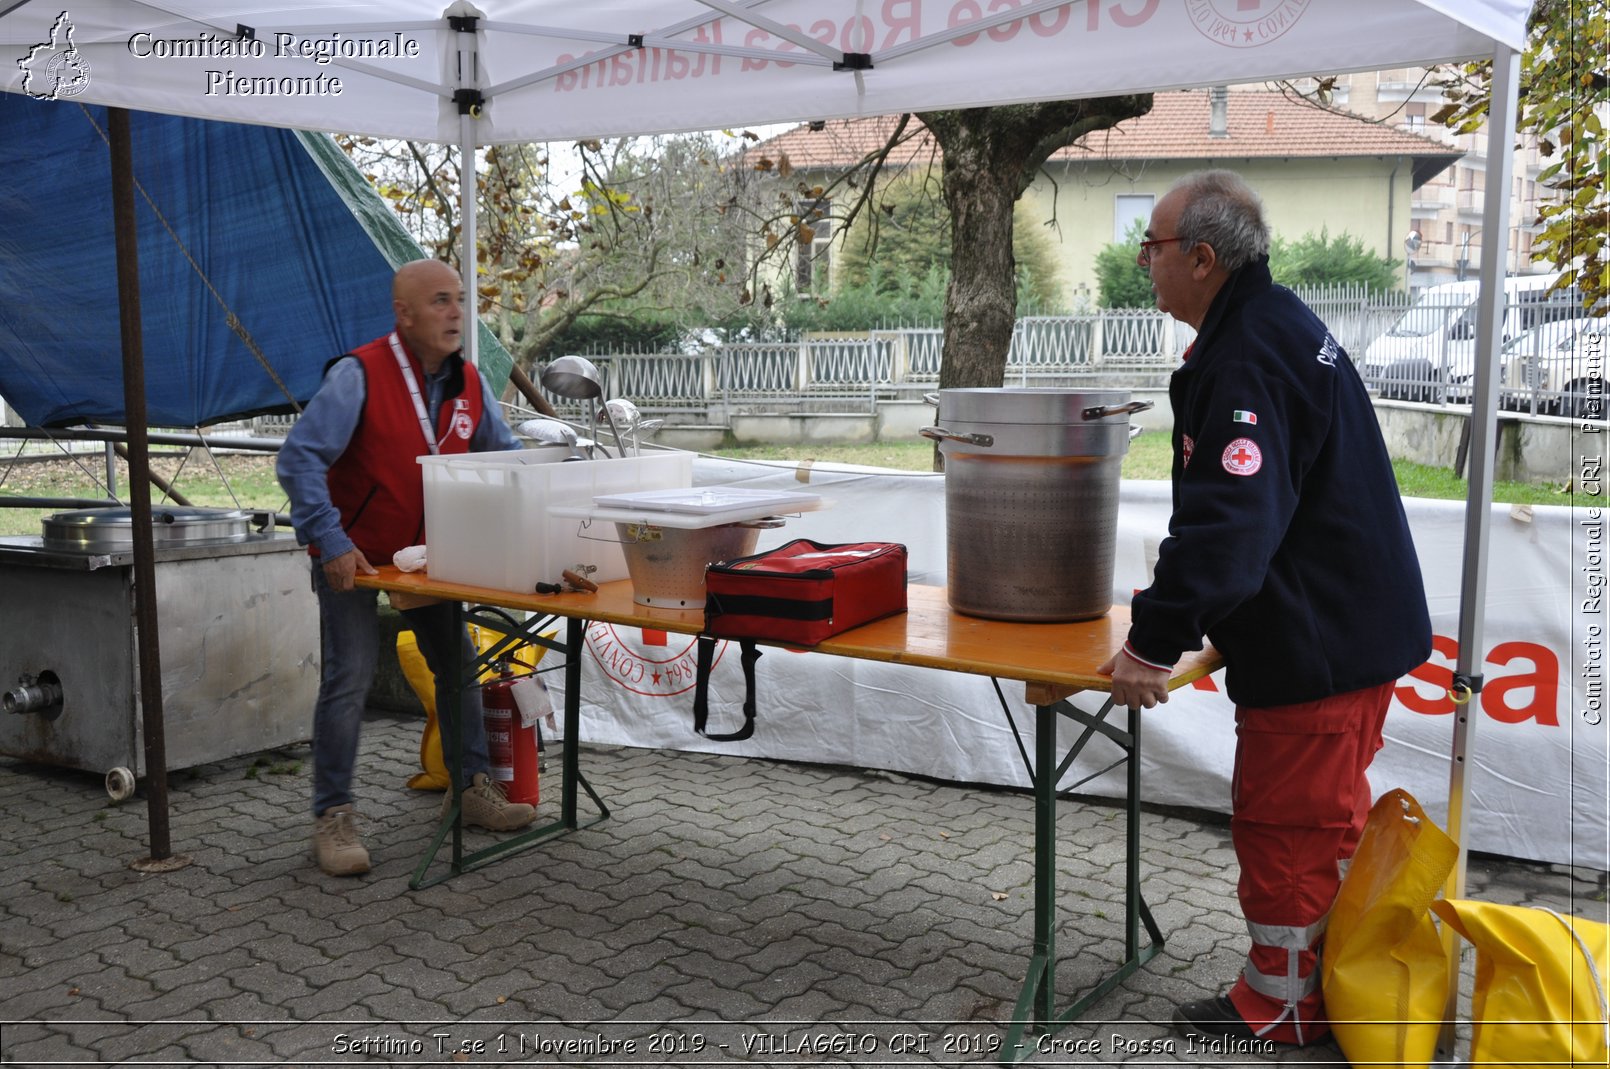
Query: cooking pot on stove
pixel 110 529
pixel 1031 498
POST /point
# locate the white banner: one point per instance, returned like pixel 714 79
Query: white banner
pixel 1538 768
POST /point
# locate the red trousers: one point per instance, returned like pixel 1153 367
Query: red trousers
pixel 1299 800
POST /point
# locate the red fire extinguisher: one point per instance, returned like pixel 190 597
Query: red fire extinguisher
pixel 511 746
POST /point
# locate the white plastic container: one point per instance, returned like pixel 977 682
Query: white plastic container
pixel 488 520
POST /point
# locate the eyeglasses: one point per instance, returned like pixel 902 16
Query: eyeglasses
pixel 1144 257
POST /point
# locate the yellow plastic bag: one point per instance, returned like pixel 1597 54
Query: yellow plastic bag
pixel 1384 971
pixel 1540 995
pixel 435 776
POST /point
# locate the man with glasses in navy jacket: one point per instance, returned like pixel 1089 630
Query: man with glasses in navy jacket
pixel 1289 549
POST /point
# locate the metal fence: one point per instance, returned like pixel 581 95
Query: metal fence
pixel 852 372
pixel 1552 364
pixel 1355 315
pixel 1551 361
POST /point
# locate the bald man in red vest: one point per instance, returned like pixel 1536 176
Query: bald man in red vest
pixel 357 497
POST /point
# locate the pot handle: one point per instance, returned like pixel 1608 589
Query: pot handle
pixel 931 399
pixel 1103 411
pixel 940 434
pixel 765 523
pixel 652 535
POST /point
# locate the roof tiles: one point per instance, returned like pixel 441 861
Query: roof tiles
pixel 1259 124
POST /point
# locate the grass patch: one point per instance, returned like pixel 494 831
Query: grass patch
pixel 1422 480
pixel 264 767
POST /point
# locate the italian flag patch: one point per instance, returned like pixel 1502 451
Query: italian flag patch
pixel 1241 415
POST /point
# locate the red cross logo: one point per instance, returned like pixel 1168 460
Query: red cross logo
pixel 1242 457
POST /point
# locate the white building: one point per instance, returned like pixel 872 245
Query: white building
pixel 1446 210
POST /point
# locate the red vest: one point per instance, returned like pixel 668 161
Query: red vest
pixel 376 483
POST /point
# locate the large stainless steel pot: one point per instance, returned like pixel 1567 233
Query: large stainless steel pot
pixel 1031 499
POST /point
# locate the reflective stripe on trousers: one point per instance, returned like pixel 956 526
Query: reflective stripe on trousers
pixel 1297 988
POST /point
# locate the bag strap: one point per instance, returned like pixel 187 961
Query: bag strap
pixel 705 658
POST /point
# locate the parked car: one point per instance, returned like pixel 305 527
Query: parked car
pixel 1429 354
pixel 1562 365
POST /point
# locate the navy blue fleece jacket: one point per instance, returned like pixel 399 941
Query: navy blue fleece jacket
pixel 1288 546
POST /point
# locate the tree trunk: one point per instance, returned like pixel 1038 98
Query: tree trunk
pixel 991 156
pixel 980 187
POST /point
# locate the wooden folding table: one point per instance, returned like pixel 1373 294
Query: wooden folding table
pixel 1053 660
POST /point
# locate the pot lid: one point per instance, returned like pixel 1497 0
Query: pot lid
pixel 1025 404
pixel 112 528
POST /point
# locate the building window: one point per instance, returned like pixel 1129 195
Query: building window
pixel 813 235
pixel 1128 207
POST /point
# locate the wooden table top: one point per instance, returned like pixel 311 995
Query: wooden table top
pixel 1055 659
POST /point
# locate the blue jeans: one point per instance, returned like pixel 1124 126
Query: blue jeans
pixel 349 644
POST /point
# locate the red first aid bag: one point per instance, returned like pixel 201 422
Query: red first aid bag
pixel 804 592
pixel 799 593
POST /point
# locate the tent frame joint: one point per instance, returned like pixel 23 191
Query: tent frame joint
pixel 854 61
pixel 463 23
pixel 469 101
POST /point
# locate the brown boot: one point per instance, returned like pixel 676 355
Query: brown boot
pixel 335 842
pixel 486 807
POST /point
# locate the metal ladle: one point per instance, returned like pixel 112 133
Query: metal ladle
pixel 623 413
pixel 550 431
pixel 645 429
pixel 577 378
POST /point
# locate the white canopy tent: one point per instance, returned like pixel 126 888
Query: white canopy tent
pixel 548 69
pixel 544 70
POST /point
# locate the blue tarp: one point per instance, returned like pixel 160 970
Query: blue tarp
pixel 277 222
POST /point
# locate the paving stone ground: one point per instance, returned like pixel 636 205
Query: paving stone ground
pixel 730 911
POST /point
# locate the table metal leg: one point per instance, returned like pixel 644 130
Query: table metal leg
pixel 1035 1010
pixel 570 765
pixel 575 636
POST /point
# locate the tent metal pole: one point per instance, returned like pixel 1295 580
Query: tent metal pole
pixel 1478 502
pixel 469 110
pixel 145 594
pixel 467 258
